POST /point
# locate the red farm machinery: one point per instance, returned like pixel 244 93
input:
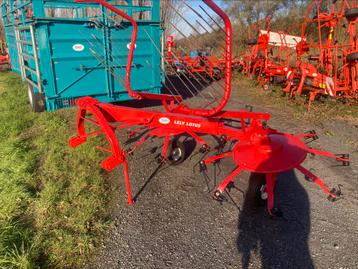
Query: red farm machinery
pixel 253 146
pixel 268 57
pixel 327 62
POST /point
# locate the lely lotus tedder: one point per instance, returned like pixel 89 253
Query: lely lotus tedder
pixel 255 147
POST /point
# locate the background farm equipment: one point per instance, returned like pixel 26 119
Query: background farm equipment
pixel 52 45
pixel 5 59
pixel 4 56
pixel 268 57
pixel 241 135
pixel 197 63
pixel 333 70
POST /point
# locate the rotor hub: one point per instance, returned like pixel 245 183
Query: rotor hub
pixel 272 153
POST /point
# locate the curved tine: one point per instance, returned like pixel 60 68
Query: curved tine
pixel 110 69
pixel 193 94
pixel 201 17
pixel 167 77
pixel 170 64
pixel 114 60
pixel 217 24
pixel 315 180
pixel 208 83
pixel 177 58
pixel 117 51
pixel 95 53
pixel 177 73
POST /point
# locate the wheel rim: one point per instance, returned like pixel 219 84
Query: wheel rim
pixel 176 154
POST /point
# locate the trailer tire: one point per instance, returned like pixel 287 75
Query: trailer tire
pixel 251 41
pixel 37 100
pixel 352 57
pixel 351 14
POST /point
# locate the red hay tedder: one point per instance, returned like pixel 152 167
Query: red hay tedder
pixel 256 148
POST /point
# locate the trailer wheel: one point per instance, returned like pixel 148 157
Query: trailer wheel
pixel 37 100
pixel 352 57
pixel 351 14
pixel 251 41
pixel 177 152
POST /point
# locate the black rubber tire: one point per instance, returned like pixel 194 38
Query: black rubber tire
pixel 37 100
pixel 352 57
pixel 251 41
pixel 176 152
pixel 351 14
pixel 253 192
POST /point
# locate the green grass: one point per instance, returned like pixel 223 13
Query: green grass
pixel 325 109
pixel 53 199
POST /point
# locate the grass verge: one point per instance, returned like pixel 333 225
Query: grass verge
pixel 52 198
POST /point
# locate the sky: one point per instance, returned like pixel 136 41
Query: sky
pixel 192 18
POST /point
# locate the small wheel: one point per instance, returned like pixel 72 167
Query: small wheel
pixel 37 100
pixel 352 57
pixel 351 14
pixel 256 194
pixel 176 152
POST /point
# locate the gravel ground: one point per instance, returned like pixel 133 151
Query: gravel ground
pixel 176 224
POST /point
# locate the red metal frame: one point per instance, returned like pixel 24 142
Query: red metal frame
pixel 257 148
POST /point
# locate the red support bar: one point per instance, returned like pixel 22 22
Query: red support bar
pixel 228 70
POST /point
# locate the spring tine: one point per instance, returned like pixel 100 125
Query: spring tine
pixel 201 77
pixel 179 59
pixel 116 62
pixel 191 26
pixel 94 53
pixel 210 102
pixel 182 17
pixel 167 77
pixel 201 17
pixel 217 24
pixel 191 92
pixel 175 70
pixel 106 66
pixel 188 88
